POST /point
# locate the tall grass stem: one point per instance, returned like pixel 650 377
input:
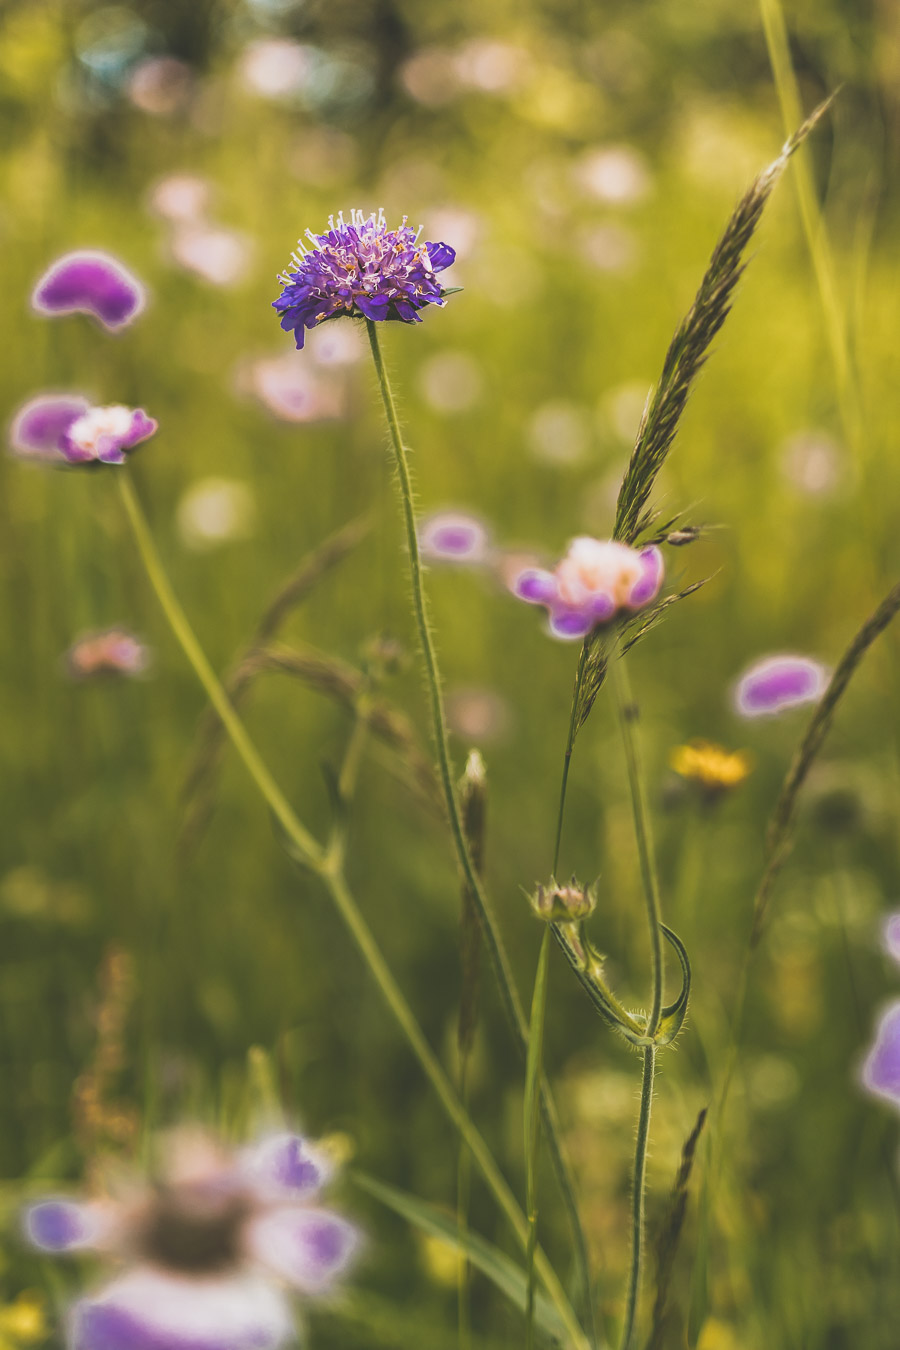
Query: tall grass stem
pixel 332 877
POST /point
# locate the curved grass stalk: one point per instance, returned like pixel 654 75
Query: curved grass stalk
pixel 327 867
pixel 493 940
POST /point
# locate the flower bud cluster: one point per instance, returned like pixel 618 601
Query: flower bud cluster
pixel 567 903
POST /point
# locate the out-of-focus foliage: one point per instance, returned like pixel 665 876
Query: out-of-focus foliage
pixel 582 159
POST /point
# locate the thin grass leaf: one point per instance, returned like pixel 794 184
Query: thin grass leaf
pixel 690 346
pixel 532 1122
pixel 209 743
pixel 503 1272
pixel 778 833
pixel 669 1237
pixel 649 619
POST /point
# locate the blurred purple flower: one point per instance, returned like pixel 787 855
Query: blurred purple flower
pixel 66 429
pixel 361 269
pixel 114 651
pixel 39 425
pixel 90 282
pixel 881 1070
pixel 776 683
pixel 292 391
pixel 596 580
pixel 890 936
pixel 451 536
pixel 209 1247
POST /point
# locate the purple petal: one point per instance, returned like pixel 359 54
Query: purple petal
pixel 61 1225
pixel 777 683
pixel 890 935
pixel 536 586
pixel 571 623
pixel 881 1071
pixel 90 282
pixel 149 1310
pixel 307 1247
pixel 286 1166
pixel 38 427
pixel 601 607
pixel 440 255
pixel 652 571
pixel 373 307
pixel 453 537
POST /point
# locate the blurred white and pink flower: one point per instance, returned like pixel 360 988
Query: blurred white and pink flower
pixel 595 582
pixel 211 1249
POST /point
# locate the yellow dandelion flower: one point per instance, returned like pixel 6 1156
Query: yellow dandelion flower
pixel 713 768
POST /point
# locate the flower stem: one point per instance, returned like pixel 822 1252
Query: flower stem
pixel 330 872
pixel 494 942
pixel 532 1123
pixel 628 713
pixel 567 759
pixel 637 1197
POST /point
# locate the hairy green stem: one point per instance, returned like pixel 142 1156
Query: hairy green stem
pixel 330 873
pixel 628 714
pixel 637 1198
pixel 494 942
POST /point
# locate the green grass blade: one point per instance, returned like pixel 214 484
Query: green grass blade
pixel 503 1272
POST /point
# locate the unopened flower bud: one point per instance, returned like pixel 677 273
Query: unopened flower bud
pixel 566 903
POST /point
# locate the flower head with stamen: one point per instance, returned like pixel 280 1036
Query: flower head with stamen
pixel 361 269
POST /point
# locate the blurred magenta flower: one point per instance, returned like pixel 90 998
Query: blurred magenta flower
pixel 361 269
pixel 38 427
pixel 777 683
pixel 890 936
pixel 90 282
pixel 209 1247
pixel 452 536
pixel 881 1070
pixel 596 580
pixel 114 651
pixel 66 429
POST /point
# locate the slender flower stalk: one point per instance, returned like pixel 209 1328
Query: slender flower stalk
pixel 627 720
pixel 637 1197
pixel 567 758
pixel 493 940
pixel 328 868
pixel 532 1121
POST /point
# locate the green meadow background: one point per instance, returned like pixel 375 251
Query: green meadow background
pixel 519 401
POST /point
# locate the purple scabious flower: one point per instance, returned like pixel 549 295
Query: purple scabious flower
pixel 777 683
pixel 453 537
pixel 90 282
pixel 67 429
pixel 209 1249
pixel 361 269
pixel 592 584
